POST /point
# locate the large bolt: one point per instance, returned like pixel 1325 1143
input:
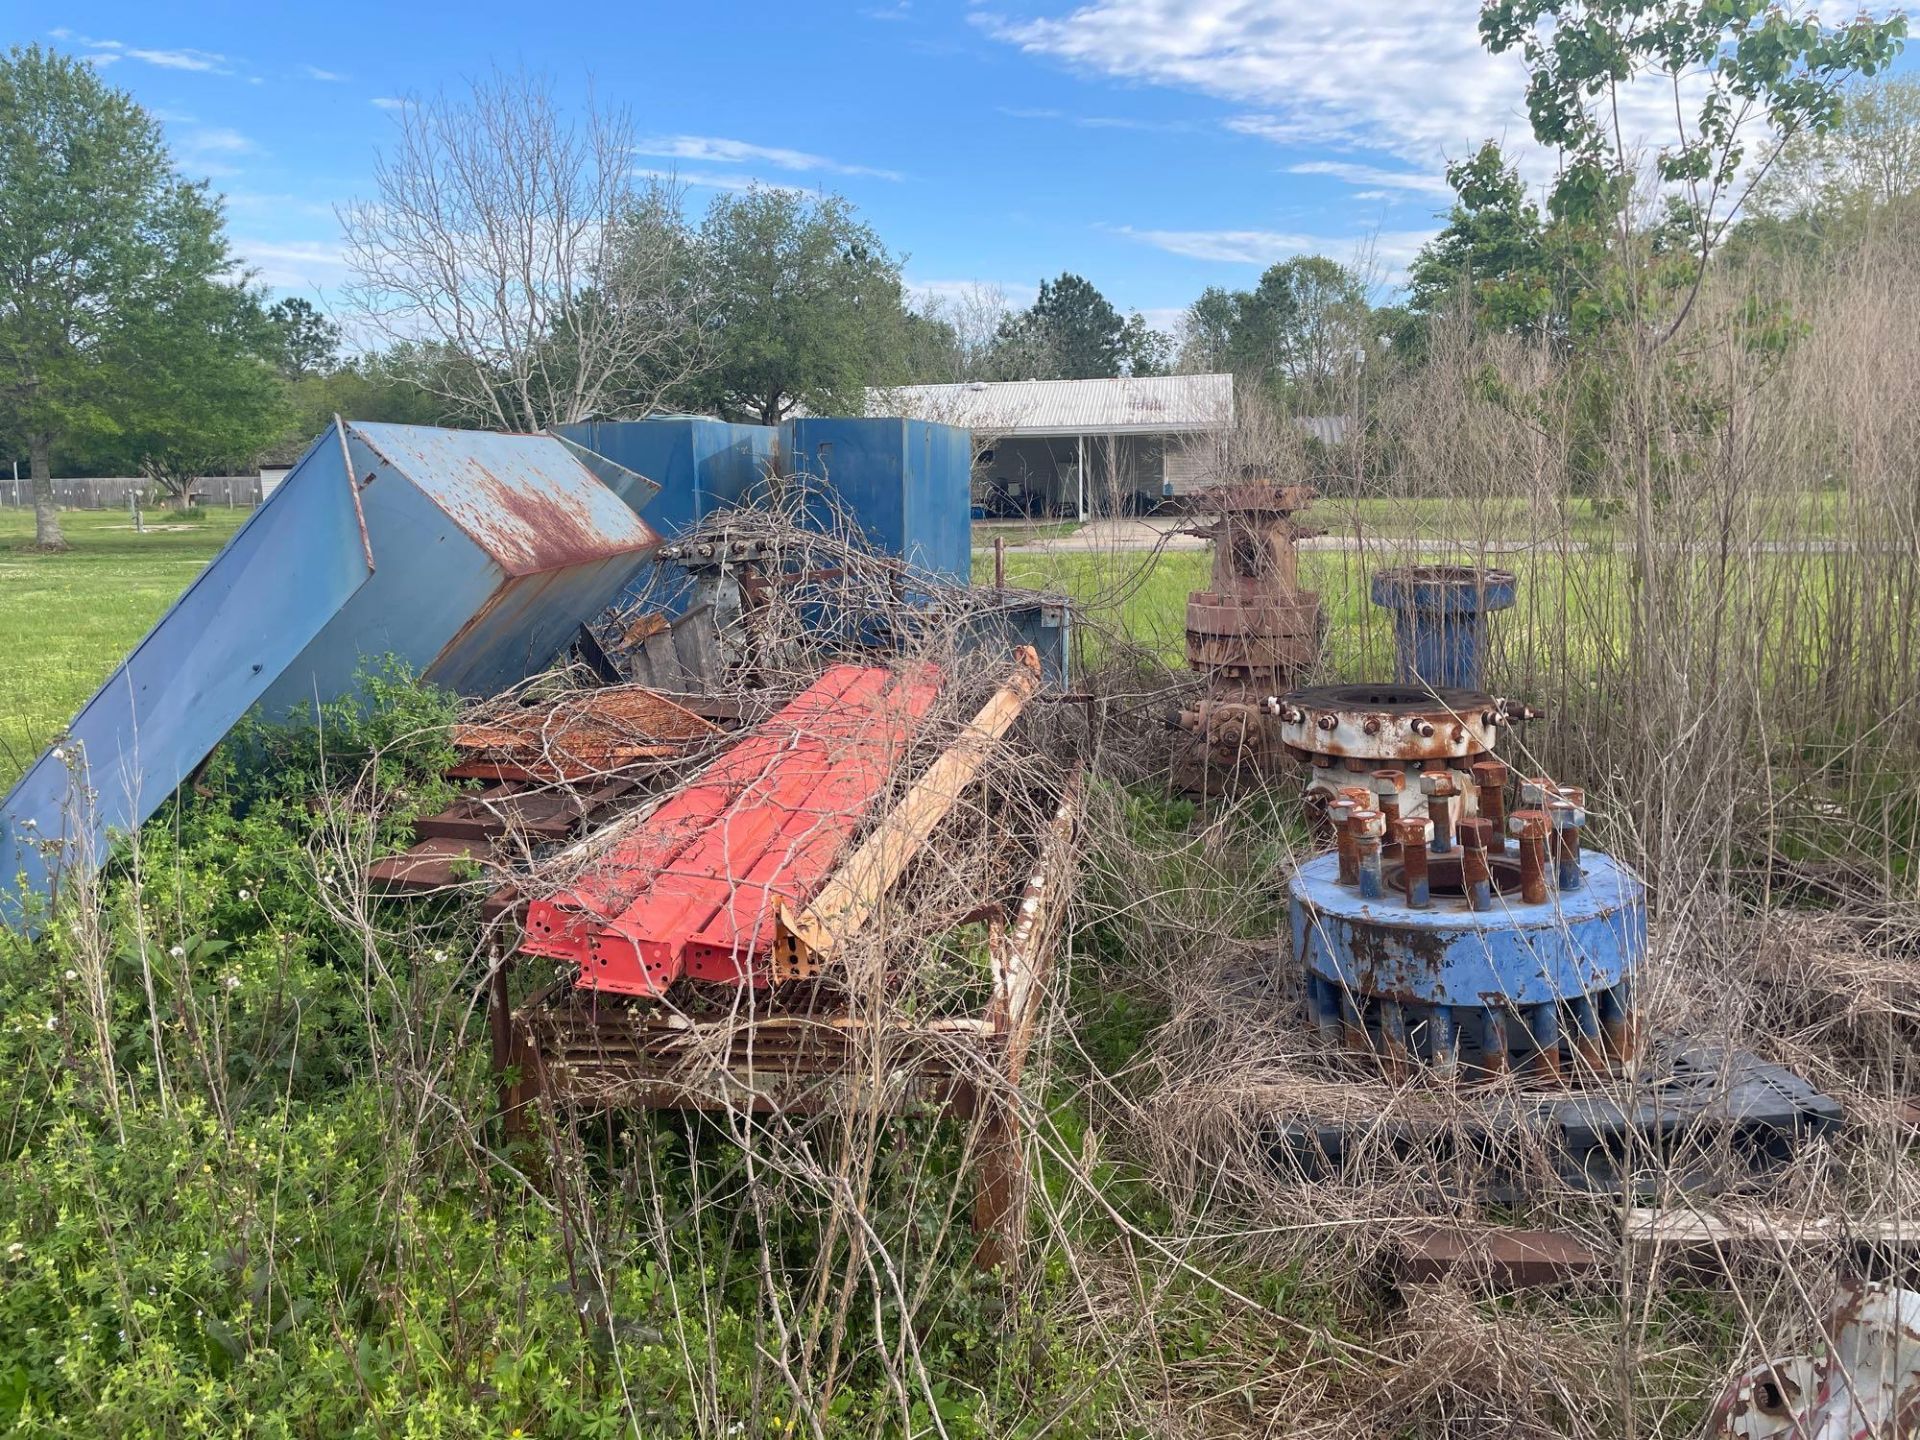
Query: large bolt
pixel 1476 874
pixel 1531 827
pixel 1411 834
pixel 1440 788
pixel 1490 793
pixel 1368 827
pixel 1387 785
pixel 1328 722
pixel 1423 728
pixel 1568 813
pixel 1536 791
pixel 1339 812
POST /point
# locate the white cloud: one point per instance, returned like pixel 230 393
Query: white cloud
pixel 180 58
pixel 1385 250
pixel 218 140
pixel 1096 122
pixel 1415 83
pixel 1409 81
pixel 715 150
pixel 186 59
pixel 1382 180
pixel 314 72
pixel 101 60
pixel 293 265
pixel 712 180
pixel 387 102
pixel 1013 296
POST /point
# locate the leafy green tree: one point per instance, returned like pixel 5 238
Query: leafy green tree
pixel 1520 271
pixel 374 387
pixel 1295 334
pixel 306 342
pixel 1741 72
pixel 805 306
pixel 112 270
pixel 216 402
pixel 106 260
pixel 1827 187
pixel 1073 332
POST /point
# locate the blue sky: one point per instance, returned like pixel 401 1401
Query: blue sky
pixel 1154 146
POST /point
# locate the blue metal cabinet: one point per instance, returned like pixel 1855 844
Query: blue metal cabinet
pixel 908 484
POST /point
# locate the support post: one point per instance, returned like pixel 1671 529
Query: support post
pixel 1080 471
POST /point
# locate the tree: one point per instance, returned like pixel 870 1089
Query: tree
pixel 805 306
pixel 216 403
pixel 514 250
pixel 1739 71
pixel 1493 250
pixel 1294 334
pixel 305 341
pixel 970 318
pixel 111 266
pixel 1862 171
pixel 1072 332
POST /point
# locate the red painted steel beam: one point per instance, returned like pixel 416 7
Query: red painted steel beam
pixel 733 944
pixel 644 950
pixel 695 889
pixel 557 926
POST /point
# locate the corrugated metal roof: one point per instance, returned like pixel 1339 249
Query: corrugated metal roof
pixel 1153 404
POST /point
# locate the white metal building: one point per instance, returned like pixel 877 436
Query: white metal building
pixel 1075 447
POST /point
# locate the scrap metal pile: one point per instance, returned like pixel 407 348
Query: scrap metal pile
pixel 696 890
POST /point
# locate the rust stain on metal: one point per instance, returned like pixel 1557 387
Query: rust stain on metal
pixel 531 506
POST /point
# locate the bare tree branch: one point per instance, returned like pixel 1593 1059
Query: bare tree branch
pixel 517 267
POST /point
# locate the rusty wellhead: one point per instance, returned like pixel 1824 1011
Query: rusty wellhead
pixel 1472 932
pixel 1252 633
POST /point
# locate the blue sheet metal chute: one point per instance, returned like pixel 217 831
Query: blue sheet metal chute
pixel 471 556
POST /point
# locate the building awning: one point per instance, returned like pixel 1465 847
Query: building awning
pixel 1148 405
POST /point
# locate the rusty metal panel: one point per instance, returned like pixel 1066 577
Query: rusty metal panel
pixel 473 557
pixel 525 500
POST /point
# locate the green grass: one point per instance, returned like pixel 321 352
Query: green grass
pixel 66 620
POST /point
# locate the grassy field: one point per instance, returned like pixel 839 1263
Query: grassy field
pixel 66 619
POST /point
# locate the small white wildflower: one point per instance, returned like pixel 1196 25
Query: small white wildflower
pixel 73 974
pixel 29 824
pixel 233 982
pixel 246 895
pixel 178 952
pixel 16 1251
pixel 59 753
pixel 49 1022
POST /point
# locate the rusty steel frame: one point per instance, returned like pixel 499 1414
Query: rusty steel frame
pixel 563 1049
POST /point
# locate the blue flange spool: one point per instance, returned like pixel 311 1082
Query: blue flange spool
pixel 1514 986
pixel 1440 620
